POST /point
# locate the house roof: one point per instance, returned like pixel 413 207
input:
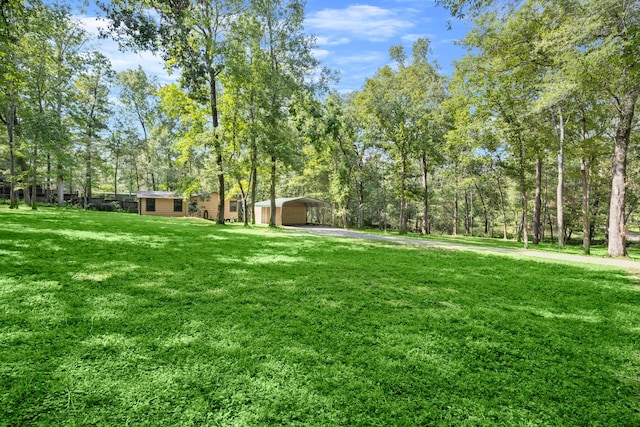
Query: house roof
pixel 157 195
pixel 311 203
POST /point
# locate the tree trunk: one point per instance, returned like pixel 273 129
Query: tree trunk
pixel 617 226
pixel 246 205
pixel 425 195
pixel 560 190
pixel 87 180
pixel 253 175
pixel 586 226
pixel 221 191
pixel 537 202
pixel 115 177
pixel 60 184
pixel 48 189
pixel 525 199
pixel 254 179
pixel 467 220
pixel 503 208
pixel 213 99
pixel 272 219
pixel 243 195
pixel 11 120
pixel 360 191
pixel 518 226
pixel 455 207
pixel 525 220
pixel 360 204
pixel 60 169
pixel 403 196
pixel 586 190
pixel 135 169
pixel 343 209
pixel 145 138
pixel 485 210
pixel 545 209
pixel 471 211
pixel 34 177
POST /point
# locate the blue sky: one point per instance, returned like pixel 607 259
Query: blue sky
pixel 353 37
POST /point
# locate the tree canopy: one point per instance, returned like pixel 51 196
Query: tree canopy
pixel 528 138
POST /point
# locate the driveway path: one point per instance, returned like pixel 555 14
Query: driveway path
pixel 530 253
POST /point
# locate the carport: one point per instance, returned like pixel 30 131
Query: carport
pixel 292 211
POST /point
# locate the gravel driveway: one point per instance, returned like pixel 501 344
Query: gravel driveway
pixel 523 253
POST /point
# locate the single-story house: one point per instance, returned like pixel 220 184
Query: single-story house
pixel 161 203
pixel 168 203
pixel 206 206
pixel 289 211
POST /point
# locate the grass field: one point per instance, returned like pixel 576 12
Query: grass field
pixel 573 248
pixel 116 319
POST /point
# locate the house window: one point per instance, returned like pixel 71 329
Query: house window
pixel 151 205
pixel 177 205
pixel 233 206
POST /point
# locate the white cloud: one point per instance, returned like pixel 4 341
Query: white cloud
pixel 90 24
pixel 454 42
pixel 368 22
pixel 365 58
pixel 417 2
pixel 152 64
pixel 328 41
pixel 320 53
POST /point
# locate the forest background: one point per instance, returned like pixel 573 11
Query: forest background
pixel 530 137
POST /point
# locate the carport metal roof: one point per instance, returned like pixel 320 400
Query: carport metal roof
pixel 157 195
pixel 311 203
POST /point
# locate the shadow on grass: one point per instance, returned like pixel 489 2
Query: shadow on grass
pixel 226 325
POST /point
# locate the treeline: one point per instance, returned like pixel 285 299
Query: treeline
pixel 530 138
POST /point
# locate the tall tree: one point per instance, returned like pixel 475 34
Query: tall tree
pixel 191 37
pixel 285 71
pixel 269 85
pixel 137 93
pixel 91 111
pixel 613 44
pixel 192 136
pixel 68 41
pixel 13 27
pixel 400 104
pixel 50 51
pixel 243 102
pixel 347 149
pixel 603 35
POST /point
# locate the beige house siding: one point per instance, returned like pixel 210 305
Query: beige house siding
pixel 289 211
pixel 209 208
pixel 263 216
pixel 164 207
pixel 294 214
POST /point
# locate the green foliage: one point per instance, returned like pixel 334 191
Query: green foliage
pixel 404 152
pixel 109 318
pixel 193 135
pixel 401 109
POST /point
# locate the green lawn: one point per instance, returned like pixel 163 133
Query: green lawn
pixel 116 319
